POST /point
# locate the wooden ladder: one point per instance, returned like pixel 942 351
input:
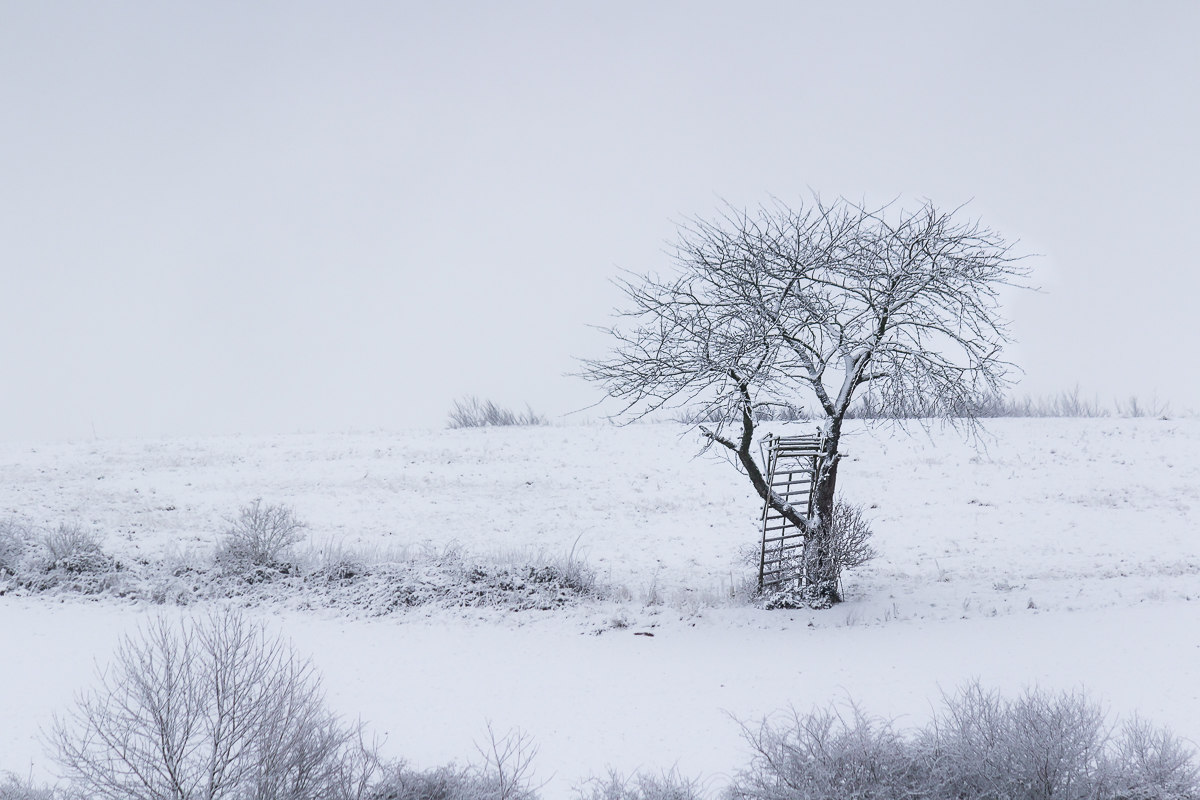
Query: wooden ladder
pixel 791 472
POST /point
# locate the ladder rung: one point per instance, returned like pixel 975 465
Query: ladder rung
pixel 788 533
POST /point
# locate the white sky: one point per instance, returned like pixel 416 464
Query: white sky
pixel 232 217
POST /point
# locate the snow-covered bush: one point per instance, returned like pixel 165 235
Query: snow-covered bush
pixel 848 542
pixel 12 547
pixel 15 788
pixel 571 572
pixel 642 786
pixel 439 783
pixel 1152 764
pixel 67 558
pixel 827 754
pixel 214 708
pixel 504 774
pixel 1036 747
pixel 979 746
pixel 261 534
pixel 71 548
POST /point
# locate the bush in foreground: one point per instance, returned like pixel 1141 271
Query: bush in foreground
pixel 505 773
pixel 980 746
pixel 219 710
pixel 642 786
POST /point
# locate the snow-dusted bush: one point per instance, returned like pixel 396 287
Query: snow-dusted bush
pixel 642 786
pixel 67 558
pixel 1037 746
pixel 826 754
pixel 15 788
pixel 72 548
pixel 504 774
pixel 12 546
pixel 1152 764
pixel 261 534
pixel 571 572
pixel 439 783
pixel 471 412
pixel 979 746
pixel 848 540
pixel 215 708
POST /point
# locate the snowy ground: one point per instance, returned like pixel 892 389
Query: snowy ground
pixel 1062 553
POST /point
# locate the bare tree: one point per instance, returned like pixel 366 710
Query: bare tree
pixel 824 303
pixel 209 710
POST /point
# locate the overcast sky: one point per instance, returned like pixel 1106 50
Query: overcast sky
pixel 277 217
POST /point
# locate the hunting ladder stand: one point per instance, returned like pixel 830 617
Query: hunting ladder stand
pixel 791 472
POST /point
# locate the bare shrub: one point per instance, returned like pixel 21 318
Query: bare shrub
pixel 849 536
pixel 825 754
pixel 507 766
pixel 72 548
pixel 1152 764
pixel 979 746
pixel 15 788
pixel 471 412
pixel 261 534
pixel 1069 404
pixel 504 774
pixel 642 786
pixel 1036 747
pixel 12 546
pixel 1133 407
pixel 448 782
pixel 210 709
pixel 572 571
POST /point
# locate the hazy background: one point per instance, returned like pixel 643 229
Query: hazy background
pixel 234 217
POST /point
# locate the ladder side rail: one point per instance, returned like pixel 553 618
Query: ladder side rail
pixel 762 558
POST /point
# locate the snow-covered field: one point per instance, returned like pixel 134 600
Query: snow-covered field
pixel 1061 553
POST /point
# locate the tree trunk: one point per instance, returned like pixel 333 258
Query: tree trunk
pixel 821 571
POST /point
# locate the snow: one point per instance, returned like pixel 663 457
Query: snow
pixel 1061 553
